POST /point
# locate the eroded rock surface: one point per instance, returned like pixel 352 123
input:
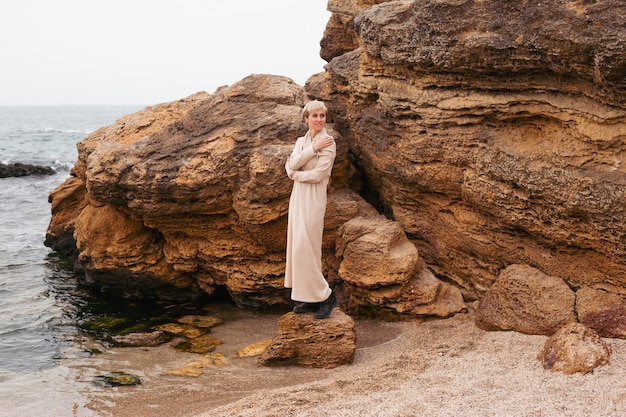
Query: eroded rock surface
pixel 492 131
pixel 602 311
pixel 575 348
pixel 193 195
pixel 305 341
pixel 528 301
pixel 383 273
pixel 190 194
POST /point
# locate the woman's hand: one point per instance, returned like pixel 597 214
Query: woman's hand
pixel 322 143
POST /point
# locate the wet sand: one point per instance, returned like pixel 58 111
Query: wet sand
pixel 436 368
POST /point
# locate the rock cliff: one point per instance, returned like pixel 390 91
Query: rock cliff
pixel 492 131
pixel 487 133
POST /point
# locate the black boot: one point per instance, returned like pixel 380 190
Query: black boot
pixel 306 307
pixel 326 307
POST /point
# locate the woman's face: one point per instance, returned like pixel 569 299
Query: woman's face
pixel 316 121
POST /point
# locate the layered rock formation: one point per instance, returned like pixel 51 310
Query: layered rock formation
pixel 190 196
pixel 492 131
pixel 487 133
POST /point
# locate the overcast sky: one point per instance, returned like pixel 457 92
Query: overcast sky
pixel 60 52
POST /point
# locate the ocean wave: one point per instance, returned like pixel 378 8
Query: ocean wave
pixel 21 132
pixel 64 131
pixel 62 166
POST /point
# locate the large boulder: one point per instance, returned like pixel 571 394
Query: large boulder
pixel 383 275
pixel 492 131
pixel 190 194
pixel 526 300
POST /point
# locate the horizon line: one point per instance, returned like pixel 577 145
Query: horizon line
pixel 76 105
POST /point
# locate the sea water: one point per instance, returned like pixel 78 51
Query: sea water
pixel 39 297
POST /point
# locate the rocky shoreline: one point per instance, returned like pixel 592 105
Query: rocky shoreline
pixel 498 157
pixel 440 368
pixel 478 189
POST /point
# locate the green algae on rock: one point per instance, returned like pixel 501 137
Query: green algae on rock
pixel 116 379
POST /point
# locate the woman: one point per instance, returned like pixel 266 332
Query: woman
pixel 309 166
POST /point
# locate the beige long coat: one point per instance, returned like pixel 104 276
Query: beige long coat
pixel 310 173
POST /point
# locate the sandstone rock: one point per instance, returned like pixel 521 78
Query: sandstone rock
pixel 339 36
pixel 183 330
pixel 67 201
pixel 343 205
pixel 526 300
pixel 384 276
pixel 202 322
pixel 491 131
pixel 603 312
pixel 200 344
pixel 574 348
pixel 196 368
pixel 305 341
pixel 579 41
pixel 448 299
pixel 190 195
pixel 254 349
pixel 376 253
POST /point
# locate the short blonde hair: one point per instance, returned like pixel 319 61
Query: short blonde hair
pixel 312 106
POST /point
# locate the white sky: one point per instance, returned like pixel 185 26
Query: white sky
pixel 61 52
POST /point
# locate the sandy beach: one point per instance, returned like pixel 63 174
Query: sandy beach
pixel 435 368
